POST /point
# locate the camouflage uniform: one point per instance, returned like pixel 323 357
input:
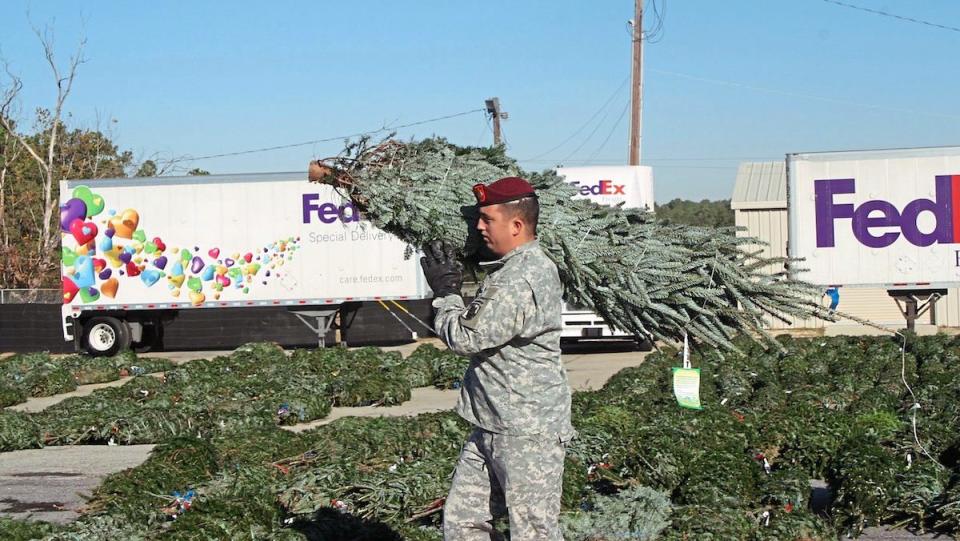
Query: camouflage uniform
pixel 515 393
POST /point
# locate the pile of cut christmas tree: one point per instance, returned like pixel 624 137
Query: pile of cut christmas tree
pixel 257 385
pixel 834 409
pixel 39 374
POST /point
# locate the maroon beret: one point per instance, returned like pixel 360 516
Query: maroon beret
pixel 503 191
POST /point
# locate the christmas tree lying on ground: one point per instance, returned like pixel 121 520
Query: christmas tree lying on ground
pixel 644 277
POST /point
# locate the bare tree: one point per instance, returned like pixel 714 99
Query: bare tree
pixel 44 154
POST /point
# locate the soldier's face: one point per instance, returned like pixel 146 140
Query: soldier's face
pixel 499 229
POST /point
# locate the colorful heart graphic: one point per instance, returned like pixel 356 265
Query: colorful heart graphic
pixel 194 283
pixel 68 256
pixel 89 294
pixel 109 288
pixel 214 253
pixel 125 223
pixel 74 209
pixel 105 244
pixel 150 277
pixel 132 269
pixel 84 232
pixel 160 262
pixel 93 201
pixel 83 274
pixel 197 298
pixel 70 290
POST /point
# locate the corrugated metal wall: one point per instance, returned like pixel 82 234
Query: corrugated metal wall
pixel 876 305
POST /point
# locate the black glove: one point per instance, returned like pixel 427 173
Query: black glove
pixel 443 272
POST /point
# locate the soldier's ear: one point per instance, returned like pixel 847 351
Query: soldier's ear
pixel 516 225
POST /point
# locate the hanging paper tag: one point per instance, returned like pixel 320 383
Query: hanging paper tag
pixel 686 387
pixel 686 381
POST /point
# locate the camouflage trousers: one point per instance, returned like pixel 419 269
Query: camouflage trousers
pixel 498 475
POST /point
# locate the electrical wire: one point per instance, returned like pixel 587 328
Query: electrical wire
pixel 590 136
pixel 655 34
pixel 736 84
pixel 585 124
pixel 616 125
pixel 337 138
pixel 894 16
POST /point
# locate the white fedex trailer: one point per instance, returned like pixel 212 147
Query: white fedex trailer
pixel 136 249
pixel 880 218
pixel 630 186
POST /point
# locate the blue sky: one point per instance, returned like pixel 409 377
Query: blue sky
pixel 725 81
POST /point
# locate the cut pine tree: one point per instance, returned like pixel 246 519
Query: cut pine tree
pixel 649 279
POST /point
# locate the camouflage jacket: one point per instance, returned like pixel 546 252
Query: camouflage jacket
pixel 516 383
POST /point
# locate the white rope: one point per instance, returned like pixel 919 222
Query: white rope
pixel 916 404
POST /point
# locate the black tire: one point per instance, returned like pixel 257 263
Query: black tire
pixel 105 336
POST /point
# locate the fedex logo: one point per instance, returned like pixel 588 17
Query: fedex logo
pixel 872 221
pixel 603 187
pixel 328 212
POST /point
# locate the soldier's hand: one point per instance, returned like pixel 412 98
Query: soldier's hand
pixel 443 272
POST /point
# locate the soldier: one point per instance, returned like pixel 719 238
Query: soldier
pixel 515 392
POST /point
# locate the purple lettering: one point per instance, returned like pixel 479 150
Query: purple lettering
pixel 328 212
pixel 309 206
pixel 940 208
pixel 827 211
pixel 862 222
pixel 353 216
pixel 879 213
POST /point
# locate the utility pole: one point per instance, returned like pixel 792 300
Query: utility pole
pixel 493 109
pixel 636 117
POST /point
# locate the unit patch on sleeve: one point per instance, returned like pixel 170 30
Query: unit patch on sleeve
pixel 471 315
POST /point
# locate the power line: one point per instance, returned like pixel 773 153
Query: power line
pixel 587 140
pixel 337 138
pixel 619 161
pixel 603 145
pixel 801 95
pixel 892 15
pixel 587 123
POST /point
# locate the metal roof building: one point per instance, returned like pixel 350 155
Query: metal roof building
pixel 759 203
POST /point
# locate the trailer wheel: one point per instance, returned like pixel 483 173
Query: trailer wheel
pixel 105 336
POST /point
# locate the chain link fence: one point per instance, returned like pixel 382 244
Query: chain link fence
pixel 31 296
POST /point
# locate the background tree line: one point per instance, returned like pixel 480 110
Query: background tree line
pixel 703 213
